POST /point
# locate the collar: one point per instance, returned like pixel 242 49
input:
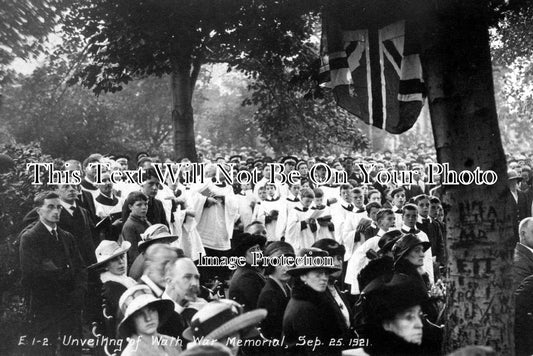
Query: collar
pixel 292 198
pixel 529 248
pixel 381 232
pixel 67 206
pixel 301 208
pixel 373 225
pixel 420 219
pixel 406 229
pixel 158 292
pixel 49 228
pixel 281 286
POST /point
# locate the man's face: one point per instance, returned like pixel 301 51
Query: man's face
pixel 90 171
pixel 262 193
pixel 50 210
pixel 358 199
pixel 399 199
pixel 373 214
pixel 68 192
pixel 271 191
pixel 375 197
pixel 186 279
pixel 526 235
pixel 423 207
pixel 107 186
pixel 409 217
pixel 257 229
pixel 318 201
pixel 346 194
pixel 303 169
pixel 139 208
pixel 387 222
pixel 150 187
pixel 433 210
pixel 295 189
pixel 289 166
pixel 123 164
pixel 306 202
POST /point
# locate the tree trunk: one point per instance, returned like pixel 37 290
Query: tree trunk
pixel 182 87
pixel 480 219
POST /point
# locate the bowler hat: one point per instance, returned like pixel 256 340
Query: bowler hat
pixel 405 244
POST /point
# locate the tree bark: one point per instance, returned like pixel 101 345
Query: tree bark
pixel 182 87
pixel 480 218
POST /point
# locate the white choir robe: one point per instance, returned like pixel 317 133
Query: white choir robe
pixel 189 239
pixel 290 202
pixel 103 210
pixel 274 228
pixel 339 211
pixel 349 228
pixel 245 203
pixel 166 195
pixel 223 216
pixel 323 231
pixel 359 260
pixel 331 192
pixel 299 238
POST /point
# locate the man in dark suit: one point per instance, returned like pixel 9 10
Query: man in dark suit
pixel 523 203
pixel 76 220
pixel 150 186
pixel 54 276
pixel 523 253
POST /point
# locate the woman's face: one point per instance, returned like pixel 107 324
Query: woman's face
pixel 407 325
pixel 117 265
pixel 146 321
pixel 416 255
pixel 317 279
pixel 280 272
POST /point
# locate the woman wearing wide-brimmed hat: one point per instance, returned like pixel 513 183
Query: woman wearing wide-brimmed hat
pixel 309 313
pixel 394 320
pixel 143 313
pixel 223 321
pixel 408 253
pixel 276 293
pixel 111 261
pixel 247 281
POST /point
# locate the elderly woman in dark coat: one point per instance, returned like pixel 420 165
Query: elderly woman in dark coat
pixel 394 318
pixel 309 315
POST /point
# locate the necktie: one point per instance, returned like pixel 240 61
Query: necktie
pixel 72 210
pixel 54 234
pixel 425 221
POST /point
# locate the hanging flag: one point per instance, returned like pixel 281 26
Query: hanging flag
pixel 373 72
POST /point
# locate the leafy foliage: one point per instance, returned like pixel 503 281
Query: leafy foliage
pixel 16 194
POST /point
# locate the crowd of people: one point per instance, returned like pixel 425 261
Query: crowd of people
pixel 124 264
